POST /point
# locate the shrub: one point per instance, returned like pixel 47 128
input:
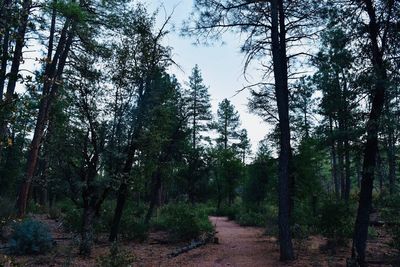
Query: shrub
pixel 391 215
pixel 229 211
pixel 6 213
pixel 116 258
pixel 30 237
pixel 336 220
pixel 55 213
pixel 183 221
pixel 251 218
pixel 72 219
pixel 132 225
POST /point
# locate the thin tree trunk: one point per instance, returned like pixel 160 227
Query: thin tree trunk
pixel 341 169
pixel 391 154
pixel 347 170
pixel 19 45
pixel 50 90
pixel 333 161
pixel 371 145
pixel 278 37
pixel 156 185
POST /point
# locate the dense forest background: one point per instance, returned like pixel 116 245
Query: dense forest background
pixel 101 134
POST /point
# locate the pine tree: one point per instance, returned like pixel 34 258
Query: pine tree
pixel 198 107
pixel 227 124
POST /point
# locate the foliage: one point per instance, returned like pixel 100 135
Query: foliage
pixel 72 218
pixel 183 221
pixel 132 223
pixel 229 211
pixel 7 211
pixel 251 218
pixel 30 237
pixel 391 215
pixel 117 257
pixel 336 220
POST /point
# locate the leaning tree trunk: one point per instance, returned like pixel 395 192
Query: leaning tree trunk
pixel 19 45
pixel 122 192
pixel 52 76
pixel 371 145
pixel 278 38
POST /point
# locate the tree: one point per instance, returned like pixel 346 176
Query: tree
pixel 198 105
pixel 378 27
pixel 271 27
pixel 144 59
pixel 227 124
pixel 244 145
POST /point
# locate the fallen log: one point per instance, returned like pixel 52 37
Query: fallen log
pixel 203 240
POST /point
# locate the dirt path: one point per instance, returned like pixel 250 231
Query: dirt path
pixel 238 246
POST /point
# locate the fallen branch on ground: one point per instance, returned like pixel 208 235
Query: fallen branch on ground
pixel 203 240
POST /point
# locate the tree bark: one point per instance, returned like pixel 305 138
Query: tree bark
pixel 156 185
pixel 52 78
pixel 371 145
pixel 333 161
pixel 19 45
pixel 391 154
pixel 278 37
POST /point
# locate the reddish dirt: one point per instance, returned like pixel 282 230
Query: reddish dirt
pixel 238 246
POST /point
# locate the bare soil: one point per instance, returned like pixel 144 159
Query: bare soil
pixel 238 246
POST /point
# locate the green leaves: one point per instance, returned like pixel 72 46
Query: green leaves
pixel 71 10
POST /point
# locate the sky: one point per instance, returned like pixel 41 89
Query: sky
pixel 221 65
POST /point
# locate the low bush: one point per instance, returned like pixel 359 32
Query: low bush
pixel 7 211
pixel 117 257
pixel 391 215
pixel 251 218
pixel 55 213
pixel 132 225
pixel 228 211
pixel 336 220
pixel 183 221
pixel 30 237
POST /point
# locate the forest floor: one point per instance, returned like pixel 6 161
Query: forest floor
pixel 237 246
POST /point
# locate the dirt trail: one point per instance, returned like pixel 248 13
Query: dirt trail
pixel 238 246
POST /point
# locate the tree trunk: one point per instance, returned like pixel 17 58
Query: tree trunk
pixel 391 154
pixel 347 170
pixel 278 37
pixel 156 185
pixel 19 45
pixel 50 88
pixel 341 169
pixel 333 161
pixel 87 232
pixel 371 145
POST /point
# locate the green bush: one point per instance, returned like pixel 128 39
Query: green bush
pixel 183 221
pixel 30 237
pixel 116 258
pixel 229 211
pixel 72 219
pixel 7 211
pixel 55 213
pixel 336 220
pixel 251 218
pixel 391 214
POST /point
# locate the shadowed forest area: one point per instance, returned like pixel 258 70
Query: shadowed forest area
pixel 108 159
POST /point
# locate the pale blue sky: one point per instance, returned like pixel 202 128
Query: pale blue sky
pixel 221 65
